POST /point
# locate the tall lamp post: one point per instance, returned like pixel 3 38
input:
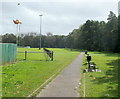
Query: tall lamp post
pixel 17 22
pixel 40 29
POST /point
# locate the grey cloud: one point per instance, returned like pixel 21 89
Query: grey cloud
pixel 58 17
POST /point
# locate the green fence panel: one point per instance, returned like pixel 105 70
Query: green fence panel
pixel 7 53
pixel 0 54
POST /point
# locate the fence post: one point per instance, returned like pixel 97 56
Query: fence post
pixel 25 55
pixel 52 56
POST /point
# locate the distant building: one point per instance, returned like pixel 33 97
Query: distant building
pixel 27 47
pixel 119 8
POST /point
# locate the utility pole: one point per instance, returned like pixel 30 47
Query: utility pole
pixel 40 30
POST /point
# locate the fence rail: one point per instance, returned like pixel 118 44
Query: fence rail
pixel 30 52
pixel 50 54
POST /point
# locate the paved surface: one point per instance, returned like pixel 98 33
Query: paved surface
pixel 66 84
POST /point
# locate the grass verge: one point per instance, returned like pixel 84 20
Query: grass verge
pixel 104 83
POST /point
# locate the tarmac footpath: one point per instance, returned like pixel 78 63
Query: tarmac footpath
pixel 66 84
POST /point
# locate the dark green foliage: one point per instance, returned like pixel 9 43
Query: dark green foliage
pixel 97 36
pixel 33 40
pixel 9 38
pixel 117 47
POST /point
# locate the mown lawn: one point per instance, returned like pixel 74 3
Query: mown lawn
pixel 23 77
pixel 104 83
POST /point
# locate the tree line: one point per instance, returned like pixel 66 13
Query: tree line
pixel 33 40
pixel 92 35
pixel 97 36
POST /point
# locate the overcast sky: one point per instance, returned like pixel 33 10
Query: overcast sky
pixel 59 16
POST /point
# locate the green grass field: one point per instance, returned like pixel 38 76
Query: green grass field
pixel 104 83
pixel 23 77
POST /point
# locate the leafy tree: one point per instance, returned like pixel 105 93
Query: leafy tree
pixel 111 32
pixel 9 38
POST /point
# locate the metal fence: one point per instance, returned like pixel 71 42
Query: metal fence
pixel 7 53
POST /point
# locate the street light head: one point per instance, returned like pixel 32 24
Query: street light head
pixel 41 15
